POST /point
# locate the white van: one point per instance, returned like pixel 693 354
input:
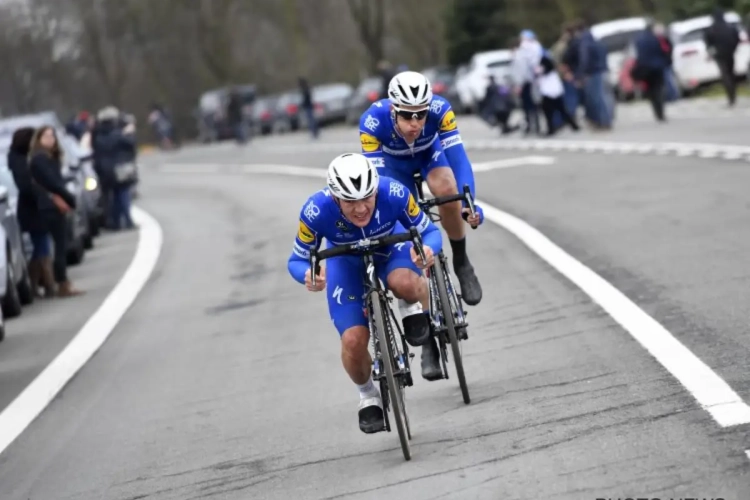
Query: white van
pixel 616 35
pixel 692 65
pixel 472 84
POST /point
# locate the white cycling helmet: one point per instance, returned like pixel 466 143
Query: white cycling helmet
pixel 410 89
pixel 352 176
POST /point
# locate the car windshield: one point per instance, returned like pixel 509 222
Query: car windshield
pixel 618 42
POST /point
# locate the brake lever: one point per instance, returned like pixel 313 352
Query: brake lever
pixel 417 241
pixel 470 201
pixel 314 266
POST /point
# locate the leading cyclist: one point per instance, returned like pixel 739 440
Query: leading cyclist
pixel 361 204
pixel 415 131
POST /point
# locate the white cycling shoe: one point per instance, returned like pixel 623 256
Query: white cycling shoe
pixel 371 415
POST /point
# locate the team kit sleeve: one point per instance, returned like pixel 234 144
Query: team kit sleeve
pixel 411 215
pixel 371 145
pixel 308 238
pixel 453 148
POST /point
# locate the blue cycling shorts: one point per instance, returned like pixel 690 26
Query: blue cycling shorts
pixel 345 288
pixel 403 169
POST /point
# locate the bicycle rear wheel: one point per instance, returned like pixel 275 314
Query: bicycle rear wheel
pixel 385 337
pixel 445 307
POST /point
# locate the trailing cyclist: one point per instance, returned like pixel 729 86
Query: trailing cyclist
pixel 415 131
pixel 359 204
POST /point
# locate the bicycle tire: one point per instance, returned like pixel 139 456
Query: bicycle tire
pixel 381 321
pixel 450 325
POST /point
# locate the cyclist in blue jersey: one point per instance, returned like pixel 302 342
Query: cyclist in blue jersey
pixel 415 131
pixel 358 204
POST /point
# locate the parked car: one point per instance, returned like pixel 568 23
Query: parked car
pixel 3 281
pixel 286 115
pixel 471 85
pixel 367 92
pixel 212 112
pixel 331 102
pixel 616 36
pixel 81 165
pixel 443 81
pixel 264 114
pixel 18 290
pixel 692 66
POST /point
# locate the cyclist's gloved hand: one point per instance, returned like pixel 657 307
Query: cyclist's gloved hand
pixel 478 217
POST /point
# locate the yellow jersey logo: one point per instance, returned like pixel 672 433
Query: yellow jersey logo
pixel 413 208
pixel 369 143
pixel 305 234
pixel 449 122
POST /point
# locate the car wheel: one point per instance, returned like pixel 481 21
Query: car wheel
pixel 76 253
pixel 88 238
pixel 11 302
pixel 25 289
pixel 94 227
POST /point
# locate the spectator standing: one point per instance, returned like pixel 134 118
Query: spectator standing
pixel 553 96
pixel 591 76
pixel 497 105
pixel 651 64
pixel 29 216
pixel 236 117
pixel 722 41
pixel 114 154
pixel 526 59
pixel 308 107
pixel 55 203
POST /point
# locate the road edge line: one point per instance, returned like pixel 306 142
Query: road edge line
pixel 33 400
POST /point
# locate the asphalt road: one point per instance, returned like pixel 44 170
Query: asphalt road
pixel 224 379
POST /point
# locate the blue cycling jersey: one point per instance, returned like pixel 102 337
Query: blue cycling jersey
pixel 439 145
pixel 321 218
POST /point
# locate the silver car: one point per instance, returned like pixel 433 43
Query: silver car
pixel 16 270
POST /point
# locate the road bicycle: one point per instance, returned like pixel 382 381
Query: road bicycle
pixel 392 359
pixel 447 314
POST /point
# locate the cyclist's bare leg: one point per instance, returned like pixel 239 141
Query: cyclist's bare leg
pixel 412 288
pixel 442 183
pixel 358 365
pixel 354 354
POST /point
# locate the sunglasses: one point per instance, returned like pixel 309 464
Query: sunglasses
pixel 409 115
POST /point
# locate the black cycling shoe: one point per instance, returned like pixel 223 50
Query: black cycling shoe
pixel 471 290
pixel 431 369
pixel 371 415
pixel 416 329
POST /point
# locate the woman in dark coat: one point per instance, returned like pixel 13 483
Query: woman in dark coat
pixel 28 214
pixel 46 169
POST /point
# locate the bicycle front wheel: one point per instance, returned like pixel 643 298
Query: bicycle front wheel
pixel 385 337
pixel 445 307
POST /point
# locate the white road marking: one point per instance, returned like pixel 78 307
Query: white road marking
pixel 523 161
pixel 747 452
pixel 19 414
pixel 708 388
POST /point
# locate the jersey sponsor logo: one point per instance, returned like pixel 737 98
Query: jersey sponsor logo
pixel 369 143
pixel 311 211
pixel 342 225
pixel 413 208
pixel 305 234
pixel 436 106
pixel 371 123
pixel 301 252
pixel 397 189
pixel 449 122
pixel 451 141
